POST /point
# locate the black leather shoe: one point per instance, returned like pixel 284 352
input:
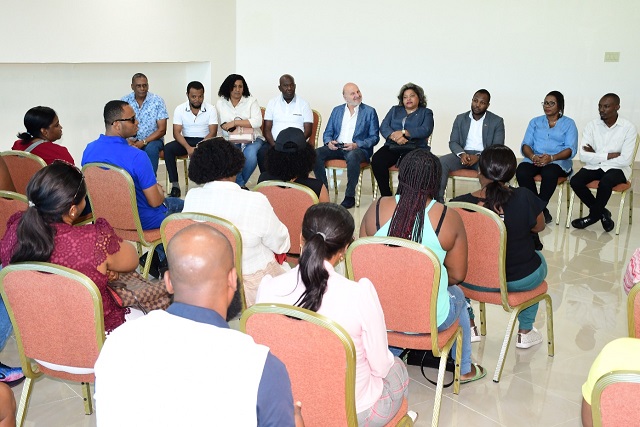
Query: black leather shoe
pixel 547 216
pixel 536 242
pixel 349 202
pixel 607 222
pixel 175 192
pixel 583 222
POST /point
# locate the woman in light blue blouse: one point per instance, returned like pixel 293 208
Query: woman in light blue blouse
pixel 549 145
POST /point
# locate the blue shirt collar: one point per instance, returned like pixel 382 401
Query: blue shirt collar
pixel 197 314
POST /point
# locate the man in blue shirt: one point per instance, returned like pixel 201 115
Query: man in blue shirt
pixel 351 133
pixel 238 381
pixel 152 116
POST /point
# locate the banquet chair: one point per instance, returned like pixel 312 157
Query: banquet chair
pixel 419 282
pixel 10 203
pixel 177 221
pixel 58 321
pixel 320 358
pixel 467 175
pixel 633 311
pixel 394 169
pixel 113 197
pixel 22 166
pixel 185 163
pixel 614 401
pixel 290 201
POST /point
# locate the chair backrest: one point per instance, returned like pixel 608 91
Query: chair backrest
pixel 633 311
pixel 10 203
pixel 315 129
pixel 290 201
pixel 614 399
pixel 22 166
pixel 406 276
pixel 176 222
pixel 262 110
pixel 633 159
pixel 113 197
pixel 56 314
pixel 319 356
pixel 487 243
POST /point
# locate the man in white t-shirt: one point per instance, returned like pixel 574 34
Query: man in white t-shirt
pixel 185 366
pixel 284 111
pixel 193 121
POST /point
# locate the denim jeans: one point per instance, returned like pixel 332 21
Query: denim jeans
pixel 457 310
pixel 153 149
pixel 353 158
pixel 5 325
pixel 250 152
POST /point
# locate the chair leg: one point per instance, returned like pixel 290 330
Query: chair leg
pixel 374 185
pixel 483 319
pixel 630 205
pixel 559 210
pixel 505 345
pixel 335 182
pixel 453 188
pixel 570 208
pixel 550 337
pixel 24 401
pixel 620 212
pixel 186 174
pixel 441 370
pixel 86 395
pixel 391 182
pixel 147 263
pixel 139 248
pixel 456 371
pixel 359 189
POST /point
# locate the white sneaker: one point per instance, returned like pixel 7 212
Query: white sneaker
pixel 413 415
pixel 475 336
pixel 529 339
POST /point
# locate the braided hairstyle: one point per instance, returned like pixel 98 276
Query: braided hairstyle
pixel 327 228
pixel 419 182
pixel 498 164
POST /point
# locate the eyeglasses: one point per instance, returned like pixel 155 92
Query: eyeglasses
pixel 130 119
pixel 548 104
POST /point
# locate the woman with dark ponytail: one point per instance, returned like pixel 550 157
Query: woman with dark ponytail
pixel 43 129
pixel 414 214
pixel 522 213
pixel 381 379
pixel 44 232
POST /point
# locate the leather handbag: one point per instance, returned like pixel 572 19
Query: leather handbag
pixel 242 134
pixel 131 290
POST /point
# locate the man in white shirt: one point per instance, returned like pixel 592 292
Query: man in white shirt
pixel 193 121
pixel 233 380
pixel 352 132
pixel 284 111
pixel 607 150
pixel 472 132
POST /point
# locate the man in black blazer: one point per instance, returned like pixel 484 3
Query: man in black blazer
pixel 472 132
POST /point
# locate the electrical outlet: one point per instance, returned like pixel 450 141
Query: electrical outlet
pixel 612 57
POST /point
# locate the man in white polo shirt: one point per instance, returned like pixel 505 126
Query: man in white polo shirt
pixel 193 121
pixel 284 111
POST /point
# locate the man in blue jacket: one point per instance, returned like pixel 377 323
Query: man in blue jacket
pixel 351 133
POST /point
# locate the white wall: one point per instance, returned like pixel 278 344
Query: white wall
pixel 517 50
pixel 76 55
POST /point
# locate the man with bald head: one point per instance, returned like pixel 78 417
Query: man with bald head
pixel 352 132
pixel 607 153
pixel 186 366
pixel 284 111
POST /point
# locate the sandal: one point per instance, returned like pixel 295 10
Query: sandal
pixel 480 373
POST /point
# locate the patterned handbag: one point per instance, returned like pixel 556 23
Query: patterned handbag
pixel 131 290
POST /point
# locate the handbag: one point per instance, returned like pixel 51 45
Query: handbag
pixel 242 134
pixel 403 149
pixel 425 358
pixel 131 290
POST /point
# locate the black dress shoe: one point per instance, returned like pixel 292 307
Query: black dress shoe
pixel 583 222
pixel 607 222
pixel 349 202
pixel 175 192
pixel 547 216
pixel 536 242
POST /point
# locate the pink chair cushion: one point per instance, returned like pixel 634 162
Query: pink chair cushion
pixel 514 298
pixel 619 188
pixel 7 208
pixel 341 164
pixel 561 179
pixel 465 173
pixel 618 405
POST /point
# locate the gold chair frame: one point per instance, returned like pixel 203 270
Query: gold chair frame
pixel 605 381
pixel 29 366
pixel 631 312
pixel 221 222
pixel 504 293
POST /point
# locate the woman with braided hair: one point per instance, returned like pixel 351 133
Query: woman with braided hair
pixel 414 214
pixel 381 379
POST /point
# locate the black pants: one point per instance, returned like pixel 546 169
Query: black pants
pixel 381 161
pixel 550 173
pixel 173 150
pixel 608 180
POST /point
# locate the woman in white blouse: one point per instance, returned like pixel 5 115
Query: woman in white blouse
pixel 237 111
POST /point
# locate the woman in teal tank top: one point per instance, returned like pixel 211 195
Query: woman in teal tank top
pixel 413 214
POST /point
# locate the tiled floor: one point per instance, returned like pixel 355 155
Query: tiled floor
pixel 589 308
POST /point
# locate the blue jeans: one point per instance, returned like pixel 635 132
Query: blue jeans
pixel 174 205
pixel 457 305
pixel 353 158
pixel 153 149
pixel 5 325
pixel 532 281
pixel 250 152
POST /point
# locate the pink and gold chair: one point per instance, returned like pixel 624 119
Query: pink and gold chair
pixel 614 401
pixel 10 203
pixel 633 311
pixel 22 166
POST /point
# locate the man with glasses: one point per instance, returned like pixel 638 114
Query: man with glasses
pixel 112 148
pixel 472 132
pixel 193 121
pixel 607 153
pixel 152 115
pixel 284 111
